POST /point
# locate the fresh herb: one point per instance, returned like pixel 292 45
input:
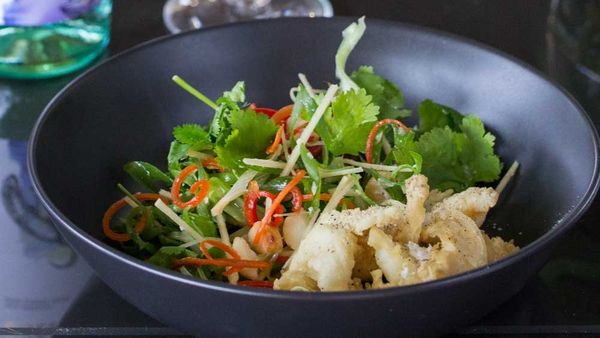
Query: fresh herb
pixel 434 115
pixel 193 135
pixel 348 122
pixel 458 160
pixel 386 95
pixel 251 134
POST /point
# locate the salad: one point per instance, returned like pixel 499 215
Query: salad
pixel 331 192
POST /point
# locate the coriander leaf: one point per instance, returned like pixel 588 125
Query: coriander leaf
pixel 440 151
pixel 404 143
pixel 405 155
pixel 351 35
pixel 385 94
pixel 351 118
pixel 478 151
pixel 237 93
pixel 194 135
pixel 434 115
pixel 220 126
pixel 251 135
pixel 458 160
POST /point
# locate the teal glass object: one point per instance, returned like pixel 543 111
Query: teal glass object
pixel 43 39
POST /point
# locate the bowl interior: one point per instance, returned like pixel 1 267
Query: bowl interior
pixel 125 109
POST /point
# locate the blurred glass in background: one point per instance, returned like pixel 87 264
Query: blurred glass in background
pixel 47 38
pixel 573 41
pixel 184 15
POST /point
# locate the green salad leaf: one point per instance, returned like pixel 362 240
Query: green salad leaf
pixel 193 135
pixel 434 115
pixel 251 134
pixel 348 122
pixel 458 160
pixel 237 93
pixel 385 94
pixel 220 126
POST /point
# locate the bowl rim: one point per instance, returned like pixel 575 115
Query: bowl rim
pixel 563 225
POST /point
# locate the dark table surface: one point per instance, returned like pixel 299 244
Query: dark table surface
pixel 46 289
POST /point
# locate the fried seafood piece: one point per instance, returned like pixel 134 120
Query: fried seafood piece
pixel 393 258
pixel 325 258
pixel 431 236
pixel 417 192
pixel 473 202
pixel 364 259
pixel 296 280
pixel 457 245
pixel 335 249
pixel 358 221
pixel 497 248
pixel 462 246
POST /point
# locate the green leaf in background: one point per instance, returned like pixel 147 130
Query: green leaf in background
pixel 193 135
pixel 237 93
pixel 351 118
pixel 439 148
pixel 482 165
pixel 220 126
pixel 251 134
pixel 458 160
pixel 434 115
pixel 385 94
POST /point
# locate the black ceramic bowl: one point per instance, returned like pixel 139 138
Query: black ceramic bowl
pixel 125 108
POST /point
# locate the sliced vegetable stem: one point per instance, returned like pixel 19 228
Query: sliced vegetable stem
pixel 340 172
pixel 183 226
pixel 312 124
pixel 129 195
pixel 306 84
pixel 187 87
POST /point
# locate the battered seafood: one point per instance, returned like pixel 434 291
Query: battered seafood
pixel 405 243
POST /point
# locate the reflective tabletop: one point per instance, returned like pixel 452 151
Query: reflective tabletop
pixel 46 289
